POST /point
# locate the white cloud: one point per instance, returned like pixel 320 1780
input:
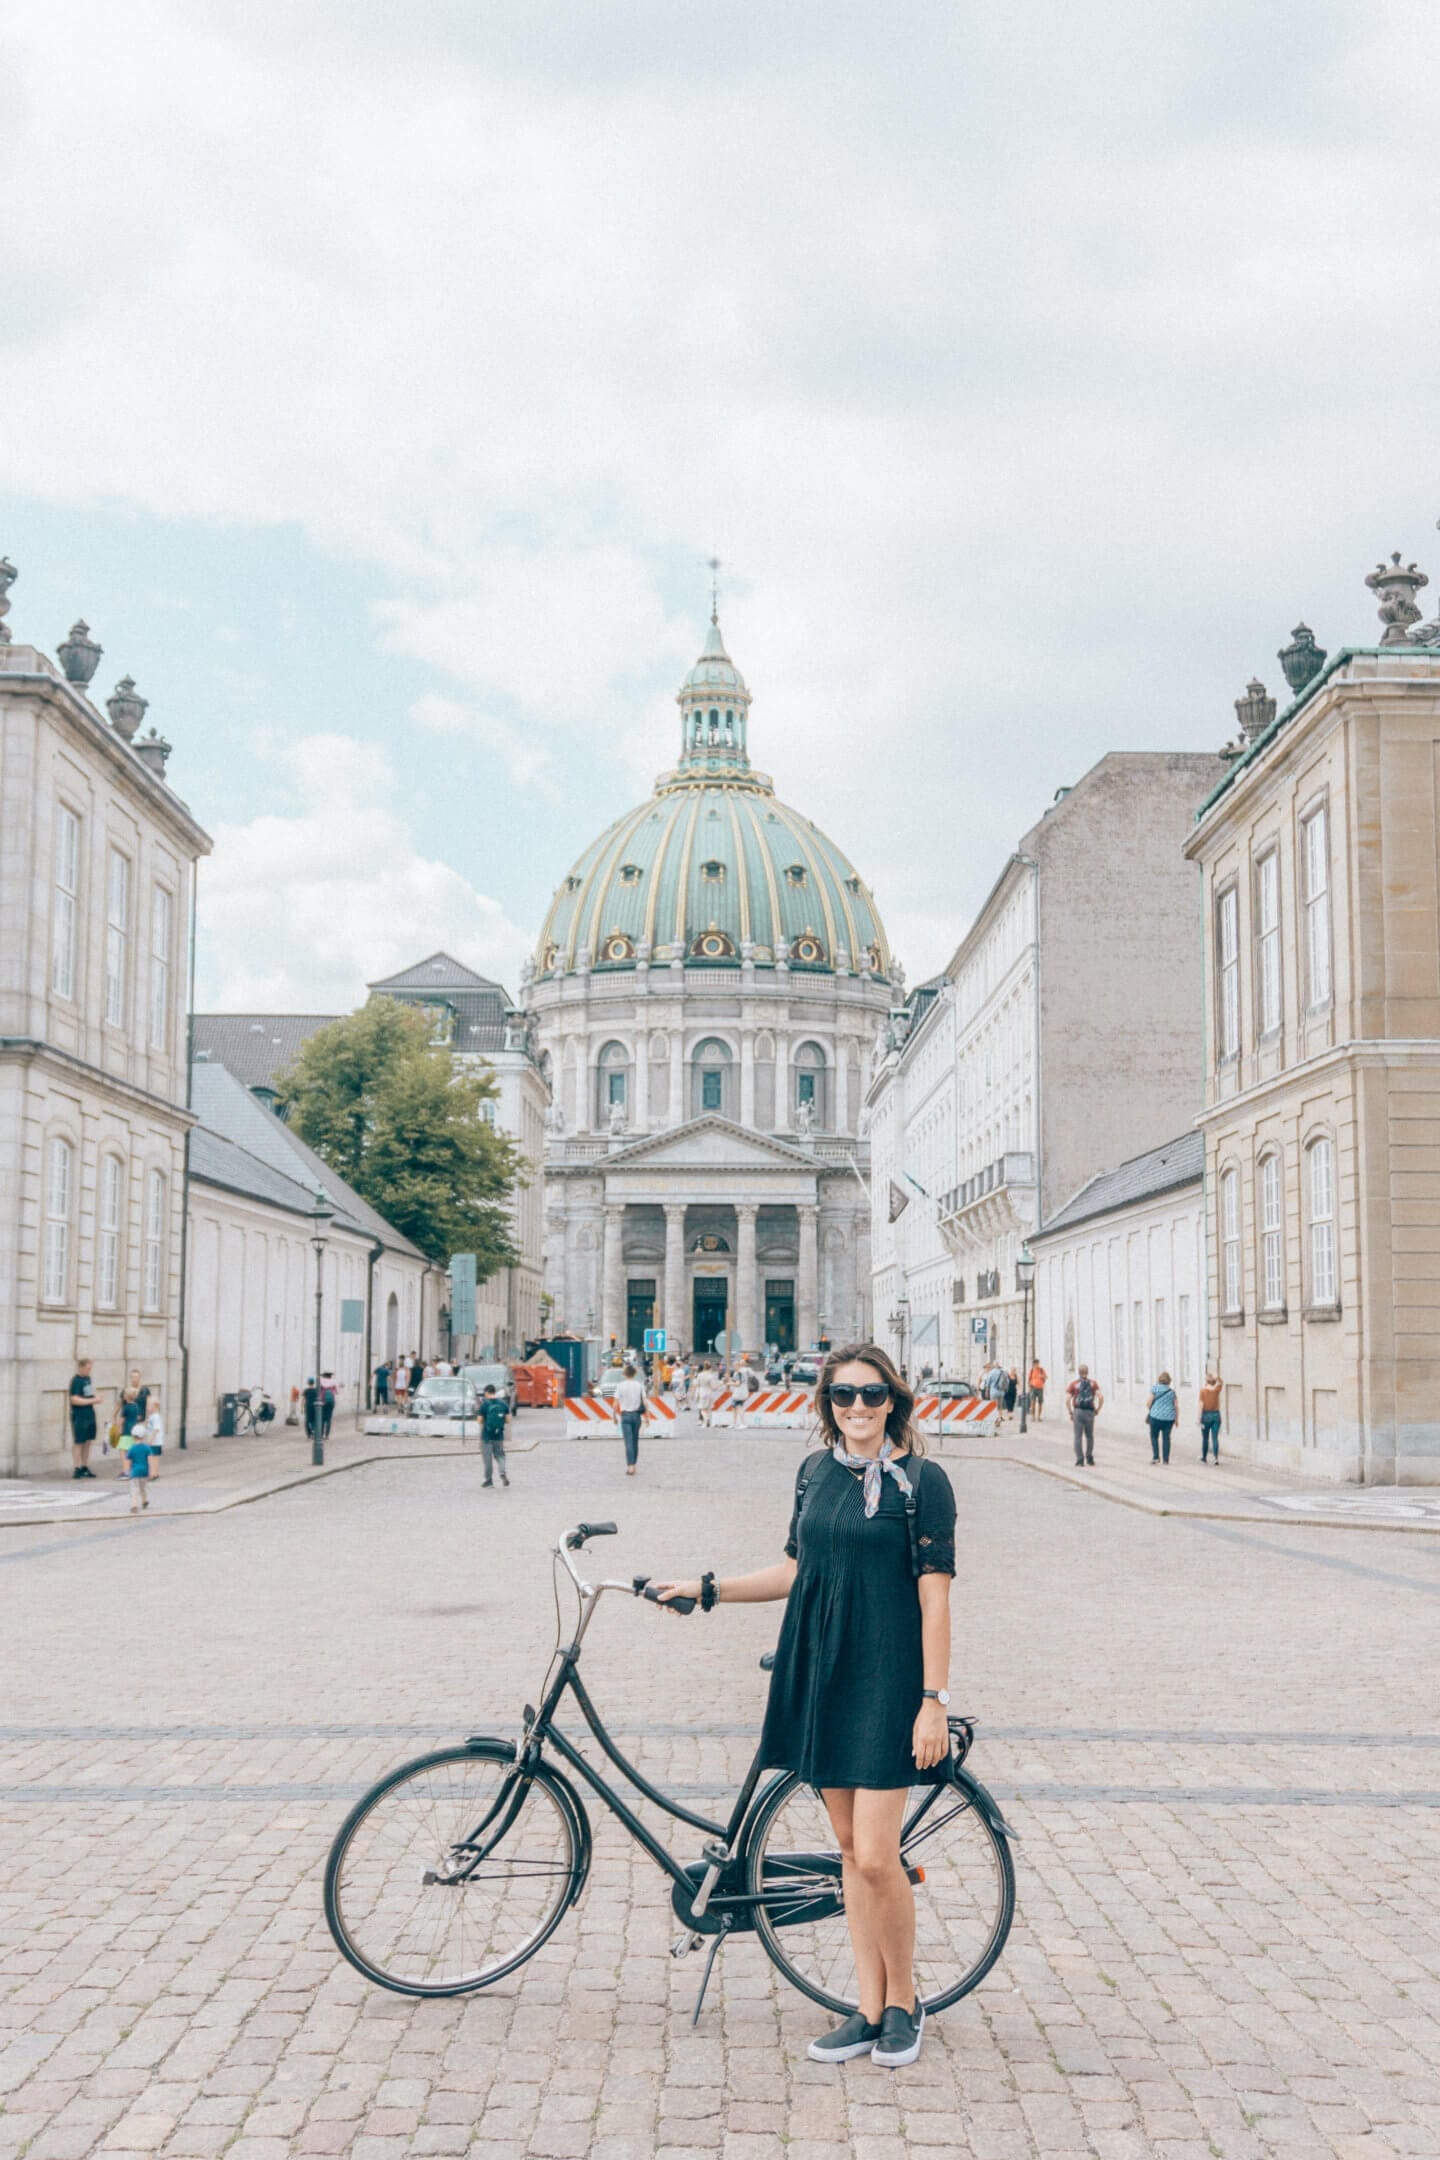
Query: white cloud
pixel 298 910
pixel 1037 369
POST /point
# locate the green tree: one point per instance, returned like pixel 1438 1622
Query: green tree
pixel 382 1105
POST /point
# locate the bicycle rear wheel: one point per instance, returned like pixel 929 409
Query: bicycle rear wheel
pixel 960 1865
pixel 452 1871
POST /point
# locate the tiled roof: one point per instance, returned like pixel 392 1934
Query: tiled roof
pixel 256 1047
pixel 227 1108
pixel 1178 1162
pixel 439 972
pixel 214 1160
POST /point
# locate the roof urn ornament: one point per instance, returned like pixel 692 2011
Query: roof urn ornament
pixel 8 575
pixel 79 654
pixel 126 708
pixel 1302 659
pixel 1254 711
pixel 153 751
pixel 1395 585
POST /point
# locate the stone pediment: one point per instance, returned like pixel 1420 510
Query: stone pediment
pixel 710 1143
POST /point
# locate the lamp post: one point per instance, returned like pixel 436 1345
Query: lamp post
pixel 900 1322
pixel 322 1215
pixel 1025 1275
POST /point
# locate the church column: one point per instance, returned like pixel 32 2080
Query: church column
pixel 640 1069
pixel 672 1312
pixel 747 1079
pixel 679 1108
pixel 807 1288
pixel 747 1318
pixel 612 1278
pixel 784 1108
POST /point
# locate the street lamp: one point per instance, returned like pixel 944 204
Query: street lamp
pixel 322 1215
pixel 1025 1276
pixel 900 1322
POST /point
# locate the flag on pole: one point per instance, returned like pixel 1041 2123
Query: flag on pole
pixel 899 1200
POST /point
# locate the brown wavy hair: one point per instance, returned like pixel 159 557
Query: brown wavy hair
pixel 899 1422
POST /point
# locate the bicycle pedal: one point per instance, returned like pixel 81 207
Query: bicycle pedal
pixel 684 1944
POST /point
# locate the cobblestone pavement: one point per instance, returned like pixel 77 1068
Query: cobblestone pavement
pixel 1216 1740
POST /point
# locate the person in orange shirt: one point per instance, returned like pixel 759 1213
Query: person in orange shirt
pixel 1036 1385
pixel 1210 1417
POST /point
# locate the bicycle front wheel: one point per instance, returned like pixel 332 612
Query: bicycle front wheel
pixel 451 1872
pixel 959 1865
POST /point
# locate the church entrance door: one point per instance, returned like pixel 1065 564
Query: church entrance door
pixel 711 1305
pixel 639 1311
pixel 780 1314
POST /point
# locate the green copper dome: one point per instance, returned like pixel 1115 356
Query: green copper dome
pixel 713 870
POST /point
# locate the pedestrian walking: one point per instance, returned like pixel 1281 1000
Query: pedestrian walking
pixel 132 1403
pixel 494 1410
pixel 1210 1418
pixel 1161 1411
pixel 1012 1391
pixel 328 1393
pixel 417 1374
pixel 859 1693
pixel 630 1402
pixel 1086 1402
pixel 702 1393
pixel 994 1384
pixel 382 1384
pixel 312 1402
pixel 147 1439
pixel 1037 1380
pixel 81 1394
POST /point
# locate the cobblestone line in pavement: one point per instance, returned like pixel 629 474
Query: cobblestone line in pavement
pixel 1188 1979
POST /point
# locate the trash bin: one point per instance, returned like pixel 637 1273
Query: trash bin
pixel 225 1421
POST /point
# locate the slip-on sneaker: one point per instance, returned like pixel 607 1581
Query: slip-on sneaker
pixel 857 2036
pixel 900 2035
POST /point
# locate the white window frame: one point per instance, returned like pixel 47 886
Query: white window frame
pixel 1137 1338
pixel 1320 1177
pixel 153 1274
pixel 59 1200
pixel 1315 899
pixel 1184 1321
pixel 162 922
pixel 67 899
pixel 109 1218
pixel 1268 1011
pixel 1272 1232
pixel 1227 970
pixel 1117 1344
pixel 117 935
pixel 1159 1321
pixel 1231 1285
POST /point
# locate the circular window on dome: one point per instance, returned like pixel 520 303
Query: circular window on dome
pixel 617 947
pixel 713 944
pixel 630 873
pixel 549 958
pixel 713 872
pixel 808 950
pixel 795 874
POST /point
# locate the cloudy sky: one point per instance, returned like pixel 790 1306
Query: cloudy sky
pixel 375 379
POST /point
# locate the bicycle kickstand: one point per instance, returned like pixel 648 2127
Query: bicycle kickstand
pixel 711 1955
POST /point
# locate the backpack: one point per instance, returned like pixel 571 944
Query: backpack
pixel 1085 1394
pixel 495 1413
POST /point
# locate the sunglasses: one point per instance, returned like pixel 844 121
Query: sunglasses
pixel 873 1394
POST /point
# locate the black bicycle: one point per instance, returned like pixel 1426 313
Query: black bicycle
pixel 456 1868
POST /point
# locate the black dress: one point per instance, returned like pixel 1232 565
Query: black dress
pixel 849 1666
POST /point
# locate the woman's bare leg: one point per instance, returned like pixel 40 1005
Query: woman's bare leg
pixel 889 1901
pixel 869 1965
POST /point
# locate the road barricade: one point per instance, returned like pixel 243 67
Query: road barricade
pixel 769 1410
pixel 595 1417
pixel 969 1416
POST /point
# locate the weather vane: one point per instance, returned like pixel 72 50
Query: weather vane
pixel 714 565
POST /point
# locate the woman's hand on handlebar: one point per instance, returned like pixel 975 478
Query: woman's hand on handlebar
pixel 664 1591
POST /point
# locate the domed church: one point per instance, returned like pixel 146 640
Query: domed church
pixel 705 1000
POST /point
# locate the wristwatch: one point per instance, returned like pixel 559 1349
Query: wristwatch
pixel 937 1694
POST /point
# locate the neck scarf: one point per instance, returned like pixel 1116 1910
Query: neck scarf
pixel 875 1467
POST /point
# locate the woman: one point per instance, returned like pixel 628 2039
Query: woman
pixel 1161 1412
pixel 702 1393
pixel 858 1696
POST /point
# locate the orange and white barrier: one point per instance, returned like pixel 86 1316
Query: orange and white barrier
pixel 591 1417
pixel 969 1416
pixel 768 1410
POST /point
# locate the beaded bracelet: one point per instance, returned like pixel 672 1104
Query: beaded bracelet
pixel 709 1592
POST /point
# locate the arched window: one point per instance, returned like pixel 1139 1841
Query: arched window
pixel 1324 1276
pixel 59 1190
pixel 153 1274
pixel 107 1243
pixel 711 1079
pixel 809 1078
pixel 1230 1291
pixel 1272 1235
pixel 613 1076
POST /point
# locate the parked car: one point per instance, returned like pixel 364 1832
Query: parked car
pixel 446 1395
pixel 804 1372
pixel 610 1379
pixel 949 1390
pixel 495 1374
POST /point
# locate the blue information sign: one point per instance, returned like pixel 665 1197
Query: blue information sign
pixel 655 1339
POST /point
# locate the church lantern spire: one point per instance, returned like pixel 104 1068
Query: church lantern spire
pixel 714 711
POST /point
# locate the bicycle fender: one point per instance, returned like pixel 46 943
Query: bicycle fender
pixel 582 1828
pixel 492 1745
pixel 978 1797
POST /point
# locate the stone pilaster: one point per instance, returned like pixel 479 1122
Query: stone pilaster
pixel 747 1282
pixel 672 1310
pixel 807 1287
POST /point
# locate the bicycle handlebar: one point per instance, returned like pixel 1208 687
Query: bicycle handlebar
pixel 646 1589
pixel 576 1539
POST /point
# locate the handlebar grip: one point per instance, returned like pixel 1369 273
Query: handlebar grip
pixel 598 1529
pixel 672 1604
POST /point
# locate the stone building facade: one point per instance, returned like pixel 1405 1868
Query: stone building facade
pixel 1320 853
pixel 705 1001
pixel 1074 1010
pixel 97 870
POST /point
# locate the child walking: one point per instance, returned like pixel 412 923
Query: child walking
pixel 146 1441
